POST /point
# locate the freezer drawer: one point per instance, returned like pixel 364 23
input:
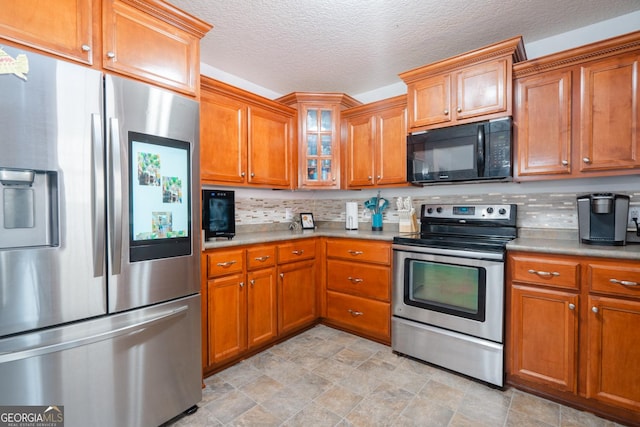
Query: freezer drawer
pixel 139 368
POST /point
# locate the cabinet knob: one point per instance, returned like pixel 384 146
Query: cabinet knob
pixel 282 275
pixel 594 309
pixel 586 160
pixel 242 174
pixel 242 284
pixel 85 48
pixel 378 177
pixel 565 163
pixel 446 112
pixel 572 306
pixel 111 55
pixel 355 313
pixel 252 282
pixel 333 179
pixel 252 174
pixel 369 177
pixel 459 110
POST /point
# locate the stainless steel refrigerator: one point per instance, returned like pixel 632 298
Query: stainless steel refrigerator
pixel 99 244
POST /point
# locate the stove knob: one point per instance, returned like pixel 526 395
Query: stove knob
pixel 439 209
pixel 502 211
pixel 429 210
pixel 489 210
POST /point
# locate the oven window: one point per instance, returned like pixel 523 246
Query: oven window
pixel 458 290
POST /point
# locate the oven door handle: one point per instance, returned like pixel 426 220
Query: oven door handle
pixel 455 253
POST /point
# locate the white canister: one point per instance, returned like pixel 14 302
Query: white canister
pixel 351 222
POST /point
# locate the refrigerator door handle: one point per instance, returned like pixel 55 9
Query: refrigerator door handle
pixel 78 342
pixel 116 197
pixel 98 197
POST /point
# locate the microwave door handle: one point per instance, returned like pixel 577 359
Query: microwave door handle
pixel 480 141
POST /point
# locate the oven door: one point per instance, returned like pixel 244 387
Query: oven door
pixel 462 291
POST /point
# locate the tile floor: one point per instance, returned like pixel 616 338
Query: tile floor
pixel 326 377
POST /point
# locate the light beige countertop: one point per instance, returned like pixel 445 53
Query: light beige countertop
pixel 574 247
pixel 249 238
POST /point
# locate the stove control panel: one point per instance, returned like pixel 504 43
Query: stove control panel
pixel 475 212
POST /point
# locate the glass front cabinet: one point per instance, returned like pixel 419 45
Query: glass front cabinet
pixel 319 137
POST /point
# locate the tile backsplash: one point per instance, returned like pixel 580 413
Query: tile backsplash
pixel 537 208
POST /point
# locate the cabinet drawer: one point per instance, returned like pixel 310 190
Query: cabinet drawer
pixel 615 278
pixel 365 280
pixel 225 262
pixel 562 273
pixel 360 314
pixel 356 250
pixel 260 257
pixel 296 251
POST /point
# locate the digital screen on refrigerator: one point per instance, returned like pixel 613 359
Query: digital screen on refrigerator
pixel 159 196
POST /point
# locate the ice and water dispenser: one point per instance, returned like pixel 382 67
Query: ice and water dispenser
pixel 28 208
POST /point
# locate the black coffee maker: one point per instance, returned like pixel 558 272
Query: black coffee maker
pixel 602 218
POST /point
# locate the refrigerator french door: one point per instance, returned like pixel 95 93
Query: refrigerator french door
pixel 99 265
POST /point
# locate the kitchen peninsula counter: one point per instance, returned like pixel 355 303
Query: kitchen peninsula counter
pixel 250 238
pixel 574 247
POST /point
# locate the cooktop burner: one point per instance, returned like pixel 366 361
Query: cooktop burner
pixel 464 227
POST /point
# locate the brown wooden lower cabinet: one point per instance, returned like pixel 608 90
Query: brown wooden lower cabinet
pixel 573 331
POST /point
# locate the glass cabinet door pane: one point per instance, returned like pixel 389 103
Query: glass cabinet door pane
pixel 312 120
pixel 312 169
pixel 312 145
pixel 326 170
pixel 326 120
pixel 326 145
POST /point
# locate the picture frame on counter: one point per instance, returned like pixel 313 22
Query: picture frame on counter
pixel 306 219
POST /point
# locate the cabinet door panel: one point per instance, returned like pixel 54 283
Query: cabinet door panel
pixel 614 353
pixel 222 139
pixel 262 319
pixel 430 100
pixel 481 89
pixel 391 147
pixel 296 296
pixel 143 46
pixel 544 336
pixel 62 28
pixel 543 124
pixel 360 142
pixel 227 318
pixel 610 115
pixel 269 146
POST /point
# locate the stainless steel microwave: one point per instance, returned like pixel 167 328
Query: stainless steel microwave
pixel 470 152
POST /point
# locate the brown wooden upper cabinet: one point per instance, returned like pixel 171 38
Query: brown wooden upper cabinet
pixel 245 139
pixel 149 40
pixel 319 136
pixel 375 146
pixel 576 112
pixel 470 87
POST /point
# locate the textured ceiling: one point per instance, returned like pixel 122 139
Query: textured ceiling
pixel 355 46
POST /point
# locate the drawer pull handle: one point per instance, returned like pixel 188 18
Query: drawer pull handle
pixel 226 264
pixel 355 279
pixel 355 253
pixel 300 252
pixel 544 273
pixel 624 282
pixel 355 313
pixel 262 258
